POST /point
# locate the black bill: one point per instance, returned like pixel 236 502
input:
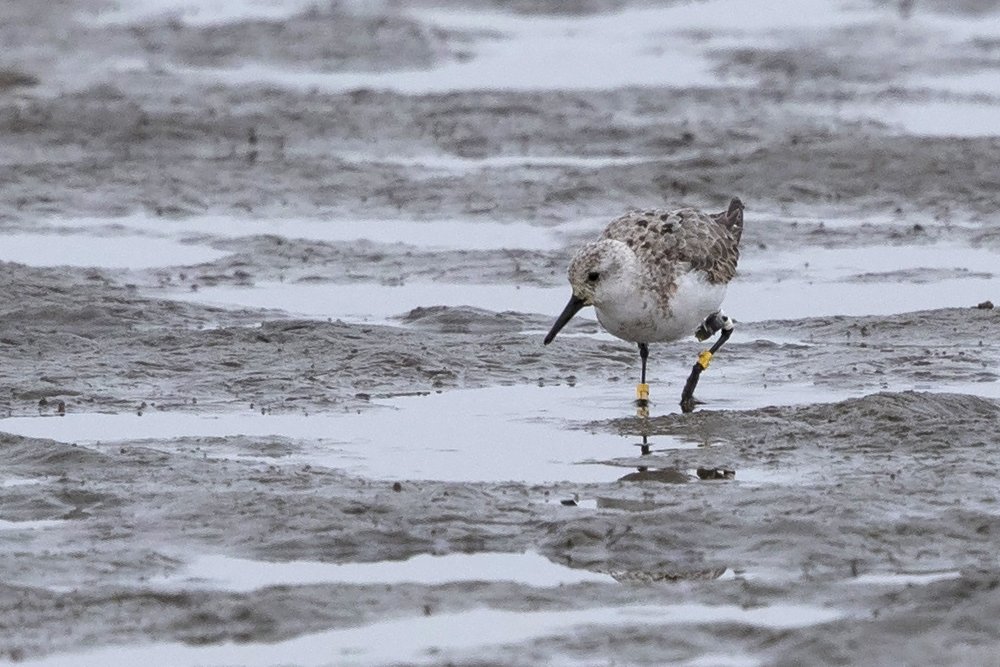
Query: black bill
pixel 571 309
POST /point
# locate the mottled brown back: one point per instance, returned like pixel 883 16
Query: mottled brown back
pixel 682 240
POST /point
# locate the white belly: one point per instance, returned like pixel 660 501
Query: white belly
pixel 637 316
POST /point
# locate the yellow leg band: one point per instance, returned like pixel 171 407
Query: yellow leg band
pixel 704 358
pixel 642 392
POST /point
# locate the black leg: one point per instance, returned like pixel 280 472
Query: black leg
pixel 642 390
pixel 712 323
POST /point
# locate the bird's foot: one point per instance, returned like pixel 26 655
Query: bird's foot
pixel 710 325
pixel 688 403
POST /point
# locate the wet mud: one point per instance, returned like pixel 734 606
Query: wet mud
pixel 833 499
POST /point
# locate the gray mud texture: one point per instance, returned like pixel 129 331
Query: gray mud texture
pixel 886 466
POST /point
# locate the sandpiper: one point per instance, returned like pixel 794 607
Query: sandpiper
pixel 657 276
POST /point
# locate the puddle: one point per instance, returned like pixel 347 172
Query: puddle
pixel 756 302
pixel 456 234
pixel 423 639
pixel 367 302
pixel 644 46
pixel 858 281
pixel 985 82
pixel 76 250
pixel 462 165
pixel 952 118
pixel 524 433
pixel 903 578
pixel 770 285
pixel 198 12
pixel 11 526
pixel 720 660
pixel 984 389
pixel 783 285
pixel 492 434
pixel 817 263
pixel 955 119
pixel 766 576
pixel 21 481
pixel 242 575
pixel 531 53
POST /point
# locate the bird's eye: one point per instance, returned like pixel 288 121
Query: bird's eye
pixel 593 276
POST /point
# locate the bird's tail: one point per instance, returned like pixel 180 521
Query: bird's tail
pixel 732 218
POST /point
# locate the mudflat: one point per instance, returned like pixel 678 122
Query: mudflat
pixel 274 278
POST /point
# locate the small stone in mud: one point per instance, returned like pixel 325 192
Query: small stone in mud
pixel 397 487
pixel 568 502
pixel 985 305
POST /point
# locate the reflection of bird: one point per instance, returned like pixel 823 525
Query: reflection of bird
pixel 657 276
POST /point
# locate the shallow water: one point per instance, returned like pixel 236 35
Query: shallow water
pixel 531 53
pixel 526 433
pixel 794 299
pixel 197 12
pixel 770 285
pixel 661 46
pixel 453 234
pixel 903 578
pixel 366 302
pixel 21 481
pixel 861 281
pixel 775 285
pixel 492 434
pixel 42 524
pixel 460 165
pixel 240 574
pixel 984 82
pixel 422 640
pixel 945 118
pixel 81 250
pixel 605 51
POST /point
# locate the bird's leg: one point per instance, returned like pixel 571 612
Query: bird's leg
pixel 712 323
pixel 643 356
pixel 642 389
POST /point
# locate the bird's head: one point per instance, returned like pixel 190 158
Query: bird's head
pixel 593 273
